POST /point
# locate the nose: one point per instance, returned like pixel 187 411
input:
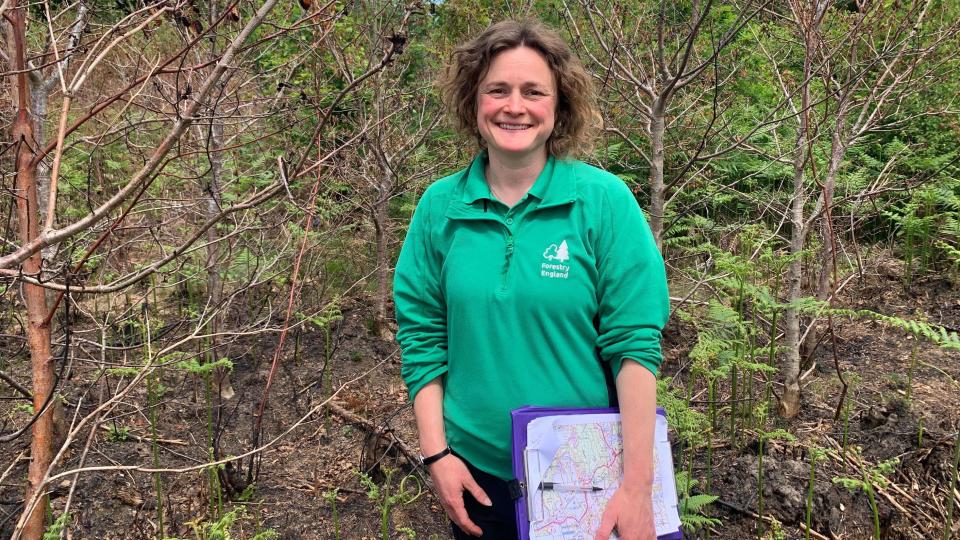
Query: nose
pixel 514 104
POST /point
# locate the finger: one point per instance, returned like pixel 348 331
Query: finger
pixel 607 523
pixel 463 521
pixel 474 488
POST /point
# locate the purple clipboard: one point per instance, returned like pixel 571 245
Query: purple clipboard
pixel 520 418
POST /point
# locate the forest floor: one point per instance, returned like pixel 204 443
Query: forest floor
pixel 371 427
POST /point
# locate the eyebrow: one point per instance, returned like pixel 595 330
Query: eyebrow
pixel 524 85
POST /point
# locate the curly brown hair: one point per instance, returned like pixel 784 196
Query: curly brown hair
pixel 577 117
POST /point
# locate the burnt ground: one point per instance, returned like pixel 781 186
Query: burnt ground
pixel 881 424
pixel 328 448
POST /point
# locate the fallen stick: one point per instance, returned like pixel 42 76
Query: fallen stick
pixel 355 418
pixel 138 438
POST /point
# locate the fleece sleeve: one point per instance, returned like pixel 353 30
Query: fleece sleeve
pixel 633 300
pixel 421 311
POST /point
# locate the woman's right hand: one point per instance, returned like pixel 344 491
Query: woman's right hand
pixel 451 478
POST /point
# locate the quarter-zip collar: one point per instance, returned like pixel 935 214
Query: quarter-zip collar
pixel 555 185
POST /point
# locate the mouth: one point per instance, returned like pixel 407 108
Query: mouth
pixel 514 127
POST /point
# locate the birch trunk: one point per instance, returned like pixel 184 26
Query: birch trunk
pixel 789 404
pixel 39 103
pixel 657 188
pixel 790 369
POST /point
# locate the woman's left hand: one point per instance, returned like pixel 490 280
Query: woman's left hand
pixel 630 510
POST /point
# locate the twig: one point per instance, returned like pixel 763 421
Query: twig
pixel 16 386
pixel 74 481
pixel 12 465
pixel 858 462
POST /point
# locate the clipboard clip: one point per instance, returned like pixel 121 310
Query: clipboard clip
pixel 532 491
pixel 516 488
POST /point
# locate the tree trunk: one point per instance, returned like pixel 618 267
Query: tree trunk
pixel 39 101
pixel 38 333
pixel 789 404
pixel 221 377
pixel 214 266
pixel 790 369
pixel 824 289
pixel 383 264
pixel 657 188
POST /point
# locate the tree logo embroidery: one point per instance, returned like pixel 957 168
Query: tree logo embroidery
pixel 559 254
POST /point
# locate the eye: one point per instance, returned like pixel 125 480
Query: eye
pixel 496 91
pixel 536 92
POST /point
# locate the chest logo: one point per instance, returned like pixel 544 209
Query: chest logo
pixel 557 255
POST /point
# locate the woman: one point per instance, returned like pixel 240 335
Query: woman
pixel 527 278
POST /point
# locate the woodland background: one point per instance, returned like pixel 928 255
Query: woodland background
pixel 202 202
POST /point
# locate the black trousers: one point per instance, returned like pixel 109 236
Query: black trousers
pixel 499 521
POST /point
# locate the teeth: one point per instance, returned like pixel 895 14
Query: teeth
pixel 515 127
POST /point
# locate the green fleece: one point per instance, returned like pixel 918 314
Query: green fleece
pixel 519 306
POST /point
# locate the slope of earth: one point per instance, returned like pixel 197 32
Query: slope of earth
pixel 308 484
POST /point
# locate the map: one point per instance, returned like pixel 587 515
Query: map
pixel 574 465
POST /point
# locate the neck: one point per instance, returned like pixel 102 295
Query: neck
pixel 514 174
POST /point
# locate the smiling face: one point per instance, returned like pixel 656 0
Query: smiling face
pixel 516 105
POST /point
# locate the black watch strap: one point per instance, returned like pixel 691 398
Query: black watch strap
pixel 435 458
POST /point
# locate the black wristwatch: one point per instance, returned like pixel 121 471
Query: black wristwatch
pixel 429 460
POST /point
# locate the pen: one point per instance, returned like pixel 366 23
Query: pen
pixel 556 486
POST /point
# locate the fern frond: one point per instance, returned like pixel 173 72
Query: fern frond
pixel 695 503
pixel 933 333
